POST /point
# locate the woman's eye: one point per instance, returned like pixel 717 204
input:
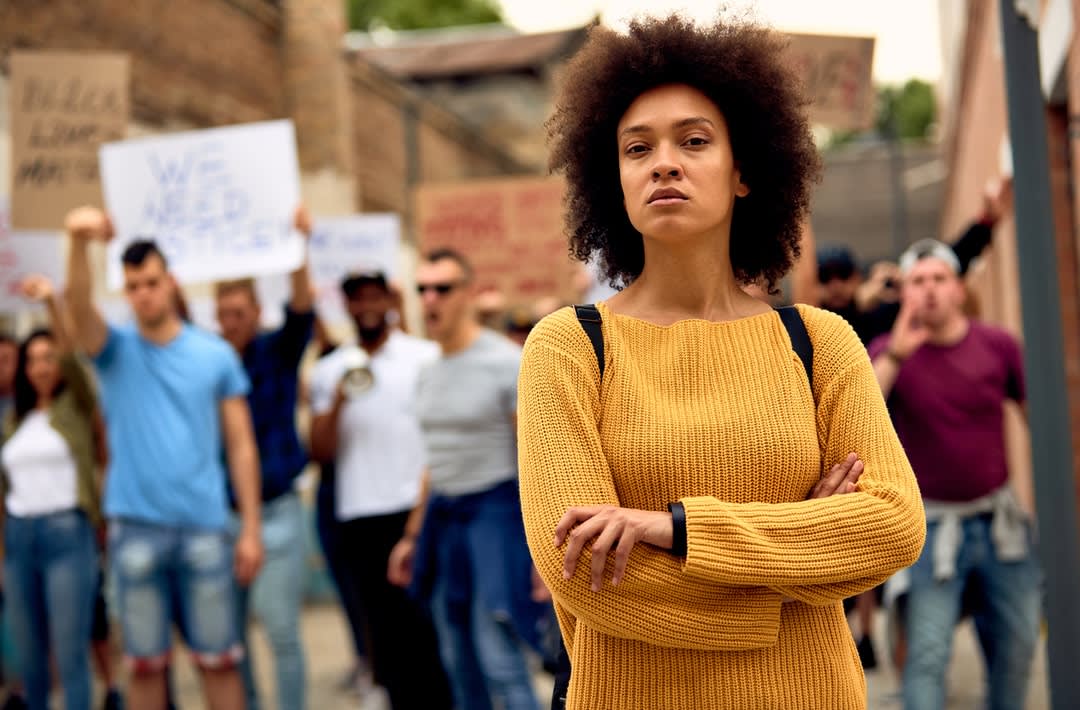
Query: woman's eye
pixel 697 140
pixel 636 148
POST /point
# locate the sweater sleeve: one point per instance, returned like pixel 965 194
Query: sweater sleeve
pixel 562 464
pixel 824 549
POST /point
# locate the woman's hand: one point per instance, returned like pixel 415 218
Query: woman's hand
pixel 610 526
pixel 842 478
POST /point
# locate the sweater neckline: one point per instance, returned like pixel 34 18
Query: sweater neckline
pixel 606 311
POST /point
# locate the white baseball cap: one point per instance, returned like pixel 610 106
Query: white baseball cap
pixel 928 248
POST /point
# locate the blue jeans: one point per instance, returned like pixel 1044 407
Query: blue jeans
pixel 166 574
pixel 1006 619
pixel 51 571
pixel 276 596
pixel 480 566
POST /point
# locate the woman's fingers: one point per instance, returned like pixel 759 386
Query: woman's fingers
pixel 576 541
pixel 572 517
pixel 629 538
pixel 608 537
pixel 834 478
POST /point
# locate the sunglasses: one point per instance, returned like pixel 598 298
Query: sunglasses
pixel 442 288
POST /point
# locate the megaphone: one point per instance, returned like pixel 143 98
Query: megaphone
pixel 358 377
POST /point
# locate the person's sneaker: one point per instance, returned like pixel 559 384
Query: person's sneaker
pixel 113 701
pixel 865 647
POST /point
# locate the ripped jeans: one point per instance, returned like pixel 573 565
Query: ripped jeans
pixel 166 575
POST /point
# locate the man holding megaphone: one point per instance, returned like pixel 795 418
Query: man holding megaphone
pixel 365 423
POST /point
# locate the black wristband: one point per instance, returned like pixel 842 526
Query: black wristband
pixel 678 524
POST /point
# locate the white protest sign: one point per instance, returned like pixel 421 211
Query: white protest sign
pixel 22 254
pixel 219 202
pixel 338 246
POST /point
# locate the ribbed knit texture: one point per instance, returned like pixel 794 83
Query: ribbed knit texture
pixel 719 416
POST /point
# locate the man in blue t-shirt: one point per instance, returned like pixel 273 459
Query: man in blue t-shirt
pixel 174 398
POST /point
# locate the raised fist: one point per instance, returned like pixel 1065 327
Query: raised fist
pixel 36 287
pixel 88 223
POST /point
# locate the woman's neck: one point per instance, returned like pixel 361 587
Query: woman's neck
pixel 686 281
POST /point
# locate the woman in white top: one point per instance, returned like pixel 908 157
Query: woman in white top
pixel 51 507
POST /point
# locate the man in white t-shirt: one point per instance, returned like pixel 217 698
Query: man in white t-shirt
pixel 373 439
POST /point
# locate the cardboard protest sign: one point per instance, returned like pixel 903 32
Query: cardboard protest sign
pixel 837 75
pixel 220 202
pixel 338 246
pixel 64 106
pixel 22 254
pixel 511 229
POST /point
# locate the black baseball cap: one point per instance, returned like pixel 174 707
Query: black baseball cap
pixel 835 261
pixel 356 279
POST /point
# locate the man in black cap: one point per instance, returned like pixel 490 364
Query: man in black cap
pixel 372 436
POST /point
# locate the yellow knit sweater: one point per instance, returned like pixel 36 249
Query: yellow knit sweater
pixel 719 416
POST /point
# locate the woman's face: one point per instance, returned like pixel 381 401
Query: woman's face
pixel 678 176
pixel 42 366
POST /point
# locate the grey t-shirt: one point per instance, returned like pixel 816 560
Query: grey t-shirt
pixel 467 402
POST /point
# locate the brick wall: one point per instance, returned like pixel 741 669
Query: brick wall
pixel 402 138
pixel 203 62
pixel 977 132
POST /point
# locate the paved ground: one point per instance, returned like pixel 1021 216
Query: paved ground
pixel 327 647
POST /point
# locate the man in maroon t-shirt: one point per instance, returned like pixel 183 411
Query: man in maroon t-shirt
pixel 946 378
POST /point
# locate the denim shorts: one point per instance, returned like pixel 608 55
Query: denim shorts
pixel 174 575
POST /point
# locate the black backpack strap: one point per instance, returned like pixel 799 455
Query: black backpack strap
pixel 800 339
pixel 590 320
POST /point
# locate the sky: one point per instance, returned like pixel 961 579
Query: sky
pixel 907 46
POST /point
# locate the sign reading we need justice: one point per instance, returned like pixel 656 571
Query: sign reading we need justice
pixel 220 202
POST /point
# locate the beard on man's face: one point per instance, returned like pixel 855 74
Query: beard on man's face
pixel 370 332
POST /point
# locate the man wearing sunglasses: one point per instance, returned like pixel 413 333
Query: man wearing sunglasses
pixel 464 551
pixel 372 438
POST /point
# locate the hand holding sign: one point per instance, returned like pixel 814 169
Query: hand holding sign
pixel 89 223
pixel 302 220
pixel 37 288
pixel 219 203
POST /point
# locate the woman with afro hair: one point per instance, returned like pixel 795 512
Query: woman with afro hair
pixel 697 497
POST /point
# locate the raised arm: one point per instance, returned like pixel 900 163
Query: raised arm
pixel 301 300
pixel 40 289
pixel 562 465
pixel 83 225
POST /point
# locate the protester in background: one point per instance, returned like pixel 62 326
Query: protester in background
pixel 699 430
pixel 359 678
pixel 52 506
pixel 490 306
pixel 464 548
pixel 271 360
pixel 372 437
pixel 946 378
pixel 871 305
pixel 174 398
pixel 9 675
pixel 519 323
pixel 9 356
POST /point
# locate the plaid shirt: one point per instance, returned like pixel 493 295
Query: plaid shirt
pixel 271 361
